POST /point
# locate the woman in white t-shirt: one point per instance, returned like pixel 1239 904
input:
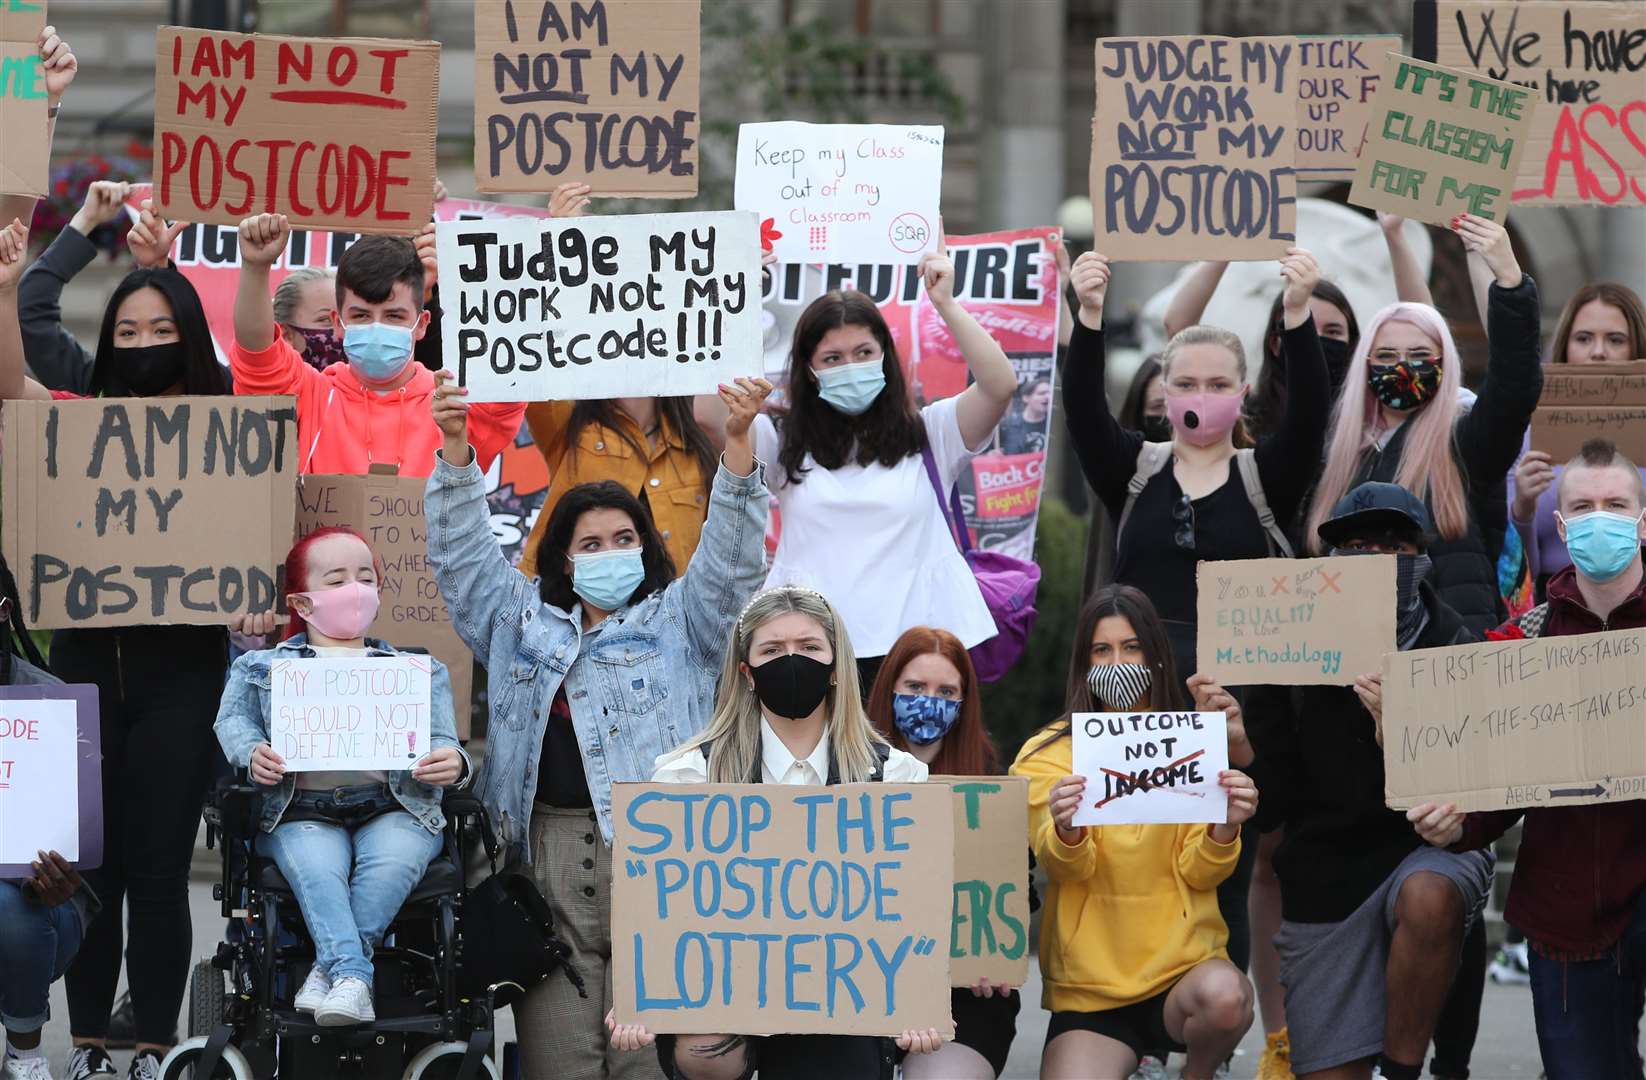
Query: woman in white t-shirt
pixel 860 521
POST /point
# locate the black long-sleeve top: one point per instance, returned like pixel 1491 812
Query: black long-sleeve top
pixel 1226 526
pixel 57 359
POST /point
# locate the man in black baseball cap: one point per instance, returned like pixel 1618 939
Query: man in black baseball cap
pixel 1372 919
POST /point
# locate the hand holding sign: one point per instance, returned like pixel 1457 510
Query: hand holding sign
pixel 1489 240
pixel 442 768
pixel 570 199
pixel 54 880
pixel 1369 689
pixel 267 767
pixel 14 242
pixel 1439 825
pixel 451 416
pixel 58 62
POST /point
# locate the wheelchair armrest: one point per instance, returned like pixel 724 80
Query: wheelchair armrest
pixel 239 806
pixel 465 810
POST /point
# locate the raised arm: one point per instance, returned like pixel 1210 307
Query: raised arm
pixel 730 561
pixel 1107 452
pixel 1410 283
pixel 54 354
pixel 486 595
pixel 14 243
pixel 262 239
pixel 1289 458
pixel 1188 304
pixel 1490 436
pixel 981 405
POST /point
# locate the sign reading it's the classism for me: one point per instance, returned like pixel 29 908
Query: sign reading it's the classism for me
pixel 344 714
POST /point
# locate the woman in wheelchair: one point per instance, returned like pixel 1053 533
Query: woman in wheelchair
pixel 352 845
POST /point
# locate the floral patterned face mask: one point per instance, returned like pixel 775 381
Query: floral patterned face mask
pixel 924 719
pixel 1404 385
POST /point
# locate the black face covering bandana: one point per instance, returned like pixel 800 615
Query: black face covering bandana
pixel 145 371
pixel 792 686
pixel 1157 429
pixel 1411 616
pixel 1337 355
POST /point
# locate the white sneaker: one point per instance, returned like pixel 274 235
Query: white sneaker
pixel 1150 1068
pixel 34 1068
pixel 349 1003
pixel 314 991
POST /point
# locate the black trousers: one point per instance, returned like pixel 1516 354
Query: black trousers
pixel 158 691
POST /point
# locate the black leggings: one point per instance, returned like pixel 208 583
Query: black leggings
pixel 158 691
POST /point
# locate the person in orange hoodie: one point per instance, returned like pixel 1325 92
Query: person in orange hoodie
pixel 375 409
pixel 1132 948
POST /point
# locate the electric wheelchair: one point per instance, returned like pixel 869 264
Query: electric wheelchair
pixel 242 1024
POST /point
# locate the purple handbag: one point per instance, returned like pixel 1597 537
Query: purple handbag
pixel 1008 586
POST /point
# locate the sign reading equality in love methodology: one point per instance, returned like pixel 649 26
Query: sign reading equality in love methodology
pixel 1151 768
pixel 1587 64
pixel 333 132
pixel 1442 142
pixel 51 791
pixel 850 193
pixel 388 512
pixel 764 909
pixel 1517 724
pixel 649 305
pixel 161 510
pixel 1591 401
pixel 22 98
pixel 349 714
pixel 1193 145
pixel 1336 77
pixel 989 931
pixel 1295 622
pixel 599 91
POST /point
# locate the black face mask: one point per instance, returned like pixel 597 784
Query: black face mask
pixel 1157 429
pixel 792 686
pixel 145 371
pixel 1337 361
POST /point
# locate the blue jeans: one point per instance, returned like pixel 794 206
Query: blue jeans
pixel 1588 1012
pixel 36 945
pixel 347 912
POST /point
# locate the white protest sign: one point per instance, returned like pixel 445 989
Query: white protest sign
pixel 1151 768
pixel 643 305
pixel 39 780
pixel 842 193
pixel 349 714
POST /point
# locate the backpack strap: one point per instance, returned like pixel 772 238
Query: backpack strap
pixel 1151 458
pixel 1246 462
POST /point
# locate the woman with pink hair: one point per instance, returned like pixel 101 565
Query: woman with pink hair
pixel 1399 421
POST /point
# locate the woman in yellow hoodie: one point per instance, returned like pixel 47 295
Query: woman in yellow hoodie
pixel 1131 942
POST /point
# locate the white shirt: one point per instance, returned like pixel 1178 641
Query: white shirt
pixel 778 766
pixel 874 540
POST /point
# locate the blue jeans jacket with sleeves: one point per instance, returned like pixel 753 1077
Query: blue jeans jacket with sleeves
pixel 638 684
pixel 243 722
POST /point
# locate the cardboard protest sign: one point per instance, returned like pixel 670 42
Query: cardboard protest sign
pixel 850 193
pixel 1560 432
pixel 652 304
pixel 1295 622
pixel 1151 768
pixel 388 512
pixel 332 132
pixel 1584 62
pixel 1517 724
pixel 762 909
pixel 1442 142
pixel 989 930
pixel 1193 145
pixel 23 99
pixel 209 255
pixel 1336 77
pixel 132 511
pixel 350 713
pixel 604 92
pixel 51 776
pixel 1593 384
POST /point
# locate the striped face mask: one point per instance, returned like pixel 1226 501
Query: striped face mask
pixel 1119 686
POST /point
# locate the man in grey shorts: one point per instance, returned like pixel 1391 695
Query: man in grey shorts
pixel 1373 918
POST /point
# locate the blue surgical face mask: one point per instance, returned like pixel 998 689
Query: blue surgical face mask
pixel 852 388
pixel 1602 543
pixel 606 579
pixel 922 718
pixel 378 352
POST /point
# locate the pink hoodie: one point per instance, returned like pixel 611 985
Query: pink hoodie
pixel 344 428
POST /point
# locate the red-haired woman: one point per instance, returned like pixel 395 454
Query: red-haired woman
pixel 351 844
pixel 925 701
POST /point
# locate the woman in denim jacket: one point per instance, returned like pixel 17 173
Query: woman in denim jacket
pixel 352 845
pixel 596 669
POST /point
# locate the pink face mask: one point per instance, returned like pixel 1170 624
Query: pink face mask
pixel 1203 419
pixel 343 613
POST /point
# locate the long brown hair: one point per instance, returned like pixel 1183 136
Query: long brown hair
pixel 1165 691
pixel 1611 294
pixel 967 749
pixel 673 413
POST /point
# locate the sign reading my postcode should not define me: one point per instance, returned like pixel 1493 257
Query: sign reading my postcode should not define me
pixel 646 305
pixel 346 714
pixel 1147 768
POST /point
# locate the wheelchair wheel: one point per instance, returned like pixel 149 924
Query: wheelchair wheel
pixel 179 1064
pixel 208 998
pixel 441 1061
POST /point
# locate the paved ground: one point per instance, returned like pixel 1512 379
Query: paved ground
pixel 1506 1049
